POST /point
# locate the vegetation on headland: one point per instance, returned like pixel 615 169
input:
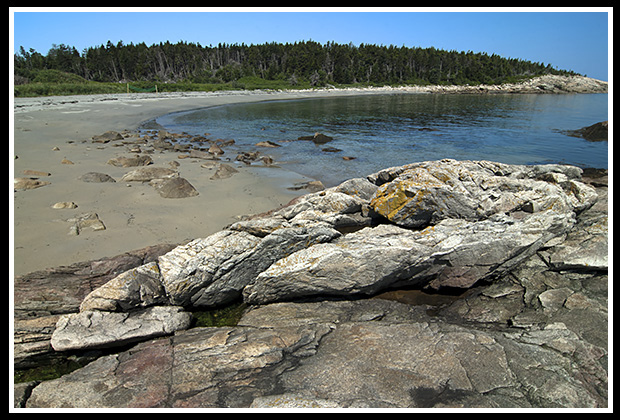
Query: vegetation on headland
pixel 300 65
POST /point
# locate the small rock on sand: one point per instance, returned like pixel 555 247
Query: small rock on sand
pixel 64 205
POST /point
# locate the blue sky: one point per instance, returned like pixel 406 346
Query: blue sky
pixel 567 38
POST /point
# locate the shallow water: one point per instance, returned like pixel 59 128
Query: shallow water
pixel 380 131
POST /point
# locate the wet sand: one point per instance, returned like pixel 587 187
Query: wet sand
pixel 48 130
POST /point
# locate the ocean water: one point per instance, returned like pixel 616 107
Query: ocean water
pixel 381 131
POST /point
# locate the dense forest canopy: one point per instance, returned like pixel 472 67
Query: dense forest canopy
pixel 306 61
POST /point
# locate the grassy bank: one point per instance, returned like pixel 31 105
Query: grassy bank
pixel 56 83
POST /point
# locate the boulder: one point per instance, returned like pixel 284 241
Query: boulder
pixel 125 162
pixel 267 143
pixel 174 188
pixel 224 171
pixel 201 154
pixel 498 216
pixel 594 132
pixel 107 137
pixel 98 329
pixel 452 254
pixel 311 186
pixel 317 138
pixel 149 173
pixel 33 173
pixel 138 287
pixel 423 194
pixel 215 150
pixel 64 205
pixel 96 177
pixel 214 271
pixel 248 157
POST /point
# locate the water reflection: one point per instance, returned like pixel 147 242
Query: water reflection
pixel 390 130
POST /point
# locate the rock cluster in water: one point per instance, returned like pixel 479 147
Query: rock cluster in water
pixel 527 243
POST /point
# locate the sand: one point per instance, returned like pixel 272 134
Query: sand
pixel 48 130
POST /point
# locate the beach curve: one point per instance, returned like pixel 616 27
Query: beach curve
pixel 52 131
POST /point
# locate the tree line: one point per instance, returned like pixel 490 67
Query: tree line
pixel 308 61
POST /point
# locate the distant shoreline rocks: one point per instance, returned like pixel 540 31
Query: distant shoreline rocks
pixel 549 84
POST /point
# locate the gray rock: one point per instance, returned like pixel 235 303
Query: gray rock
pixel 85 221
pixel 530 332
pixel 426 193
pixel 148 173
pixel 224 171
pixel 165 373
pixel 107 137
pixel 125 162
pixel 370 353
pixel 594 132
pixel 214 270
pixel 40 297
pixel 135 288
pixel 96 177
pixel 97 329
pixel 454 253
pixel 174 188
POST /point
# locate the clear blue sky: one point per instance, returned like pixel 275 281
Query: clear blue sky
pixel 567 38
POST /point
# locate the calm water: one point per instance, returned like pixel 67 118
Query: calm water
pixel 388 130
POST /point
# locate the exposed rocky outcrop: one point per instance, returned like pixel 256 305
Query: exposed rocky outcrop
pixel 595 132
pixel 527 243
pixel 538 85
pixel 41 297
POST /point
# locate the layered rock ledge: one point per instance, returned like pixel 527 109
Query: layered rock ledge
pixel 526 246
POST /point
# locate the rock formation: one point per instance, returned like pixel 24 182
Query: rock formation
pixel 525 245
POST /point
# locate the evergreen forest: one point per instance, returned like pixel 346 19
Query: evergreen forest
pixel 299 64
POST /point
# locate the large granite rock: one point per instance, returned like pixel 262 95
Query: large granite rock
pixel 455 224
pixel 368 353
pixel 454 253
pixel 41 297
pixel 98 329
pixel 529 244
pixel 417 195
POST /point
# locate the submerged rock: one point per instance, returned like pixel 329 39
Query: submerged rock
pixel 317 138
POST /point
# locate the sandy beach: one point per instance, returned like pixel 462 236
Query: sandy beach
pixel 48 131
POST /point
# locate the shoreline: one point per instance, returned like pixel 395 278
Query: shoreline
pixel 47 130
pixel 133 214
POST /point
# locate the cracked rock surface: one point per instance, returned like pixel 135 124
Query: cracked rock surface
pixel 522 248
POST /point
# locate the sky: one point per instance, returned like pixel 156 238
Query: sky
pixel 577 39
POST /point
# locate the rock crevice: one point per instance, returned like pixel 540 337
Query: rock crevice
pixel 529 243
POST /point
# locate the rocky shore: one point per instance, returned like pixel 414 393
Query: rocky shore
pixel 436 284
pixel 550 84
